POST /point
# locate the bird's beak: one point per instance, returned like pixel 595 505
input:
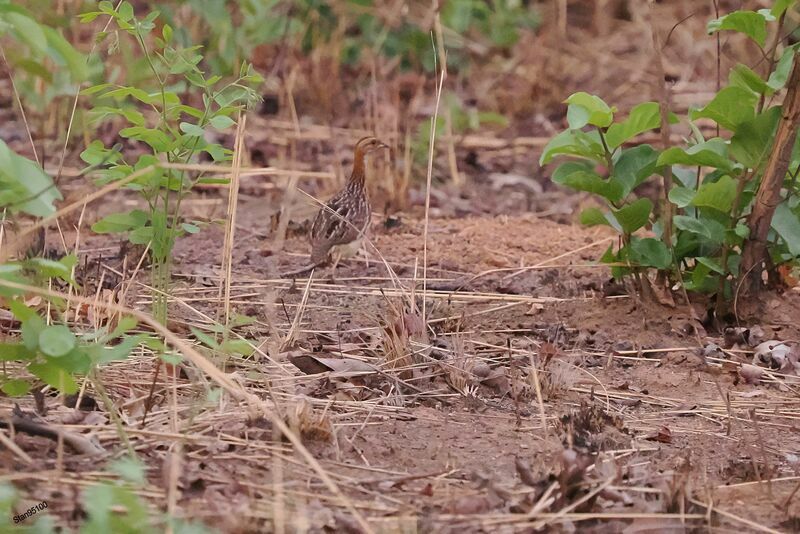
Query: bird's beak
pixel 384 145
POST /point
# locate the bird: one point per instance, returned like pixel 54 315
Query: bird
pixel 339 228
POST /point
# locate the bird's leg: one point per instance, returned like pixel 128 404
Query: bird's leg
pixel 336 257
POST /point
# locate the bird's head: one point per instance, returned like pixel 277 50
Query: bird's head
pixel 367 145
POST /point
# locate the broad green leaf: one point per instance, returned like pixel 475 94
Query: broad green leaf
pixel 750 23
pixel 751 143
pixel 593 217
pixel 36 189
pixel 125 11
pixel 120 222
pixel 28 31
pixel 157 139
pixel 15 387
pixel 204 338
pixel 192 129
pixel 190 228
pixel 221 122
pixel 786 224
pixel 780 7
pixel 56 340
pixel 53 375
pixel 15 351
pixel 581 177
pixel 118 352
pixel 633 166
pixel 711 263
pixel 709 229
pixel 237 346
pixel 588 109
pixel 64 53
pixel 681 196
pixel 718 195
pixel 131 469
pixel 643 117
pixel 650 252
pixel 780 75
pixel 574 143
pixel 141 236
pixel 712 153
pixel 744 77
pixel 729 108
pixel 633 216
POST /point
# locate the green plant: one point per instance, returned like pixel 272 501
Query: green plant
pixel 174 131
pixel 716 179
pixel 348 28
pixel 45 64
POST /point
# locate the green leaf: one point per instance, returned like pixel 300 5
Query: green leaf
pixel 192 129
pixel 709 229
pixel 237 346
pixel 53 375
pixel 221 122
pixel 744 77
pixel 15 351
pixel 15 387
pixel 158 140
pixel 581 177
pixel 56 340
pixel 633 166
pixel 31 328
pixel 712 153
pixel 649 252
pixel 787 225
pixel 729 108
pixel 204 338
pixel 588 109
pixel 780 7
pixel 593 217
pixel 130 469
pixel 28 31
pixel 718 195
pixel 681 196
pixel 125 11
pixel 750 23
pixel 36 189
pixel 118 352
pixel 141 236
pixel 711 263
pixel 752 141
pixel 120 222
pixel 633 216
pixel 574 143
pixel 643 117
pixel 190 228
pixel 778 78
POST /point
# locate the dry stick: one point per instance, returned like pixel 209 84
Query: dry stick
pixel 431 145
pixel 230 223
pixel 664 100
pixel 19 104
pixel 224 380
pixel 537 385
pixel 769 191
pixel 448 116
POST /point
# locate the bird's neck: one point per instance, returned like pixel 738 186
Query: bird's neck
pixel 359 170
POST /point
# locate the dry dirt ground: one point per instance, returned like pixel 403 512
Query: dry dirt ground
pixel 546 399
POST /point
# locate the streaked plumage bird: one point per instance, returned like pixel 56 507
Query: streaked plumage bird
pixel 341 224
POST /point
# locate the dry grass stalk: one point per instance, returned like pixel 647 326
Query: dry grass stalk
pixel 230 220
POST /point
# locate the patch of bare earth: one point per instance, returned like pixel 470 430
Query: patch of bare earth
pixel 533 399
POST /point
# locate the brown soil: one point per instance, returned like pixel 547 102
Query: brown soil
pixel 431 446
